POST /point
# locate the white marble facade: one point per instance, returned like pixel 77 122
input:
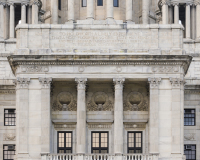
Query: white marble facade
pixel 84 69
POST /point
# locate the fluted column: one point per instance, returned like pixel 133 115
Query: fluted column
pixel 176 13
pixel 71 10
pixel 109 9
pixel 164 12
pixel 81 115
pixel 2 20
pixel 188 32
pixel 198 20
pixel 90 9
pixel 23 14
pixel 12 20
pixel 54 11
pixel 34 13
pixel 145 11
pixel 118 116
pixel 129 10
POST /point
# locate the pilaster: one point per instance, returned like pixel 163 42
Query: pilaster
pixel 90 9
pixel 145 11
pixel 109 9
pixel 70 10
pixel 188 24
pixel 54 11
pixel 129 10
pixel 176 13
pixel 164 5
pixel 23 13
pixel 12 20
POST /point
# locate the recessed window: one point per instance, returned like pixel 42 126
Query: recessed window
pixel 8 152
pixel 64 142
pixel 84 3
pixel 134 142
pixel 116 3
pixel 190 152
pixel 189 117
pixel 9 117
pixel 99 142
pixel 99 2
pixel 59 4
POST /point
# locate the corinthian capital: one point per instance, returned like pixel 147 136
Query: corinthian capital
pixel 177 82
pixel 45 82
pixel 22 82
pixel 118 82
pixel 164 2
pixel 197 2
pixel 36 2
pixel 81 83
pixel 154 82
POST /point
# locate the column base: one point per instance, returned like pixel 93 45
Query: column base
pixel 197 40
pixel 188 40
pixel 69 22
pixel 130 22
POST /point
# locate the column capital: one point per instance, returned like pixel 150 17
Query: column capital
pixel 189 4
pixel 3 3
pixel 197 2
pixel 24 4
pixel 164 2
pixel 45 82
pixel 177 82
pixel 81 83
pixel 118 82
pixel 175 4
pixel 154 82
pixel 11 4
pixel 36 2
pixel 22 82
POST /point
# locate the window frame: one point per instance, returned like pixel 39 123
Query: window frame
pixel 64 148
pixel 99 5
pixel 192 150
pixel 10 117
pixel 82 3
pixel 134 148
pixel 117 3
pixel 190 117
pixel 8 150
pixel 100 148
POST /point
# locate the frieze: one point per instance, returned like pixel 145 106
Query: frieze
pixel 9 137
pixel 34 68
pixel 192 91
pixel 7 91
pixel 135 125
pixel 165 69
pixel 99 126
pixel 64 126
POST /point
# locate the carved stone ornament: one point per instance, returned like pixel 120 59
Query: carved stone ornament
pixel 154 82
pixel 9 137
pixel 135 101
pixel 64 126
pixel 100 102
pixel 176 82
pixel 118 82
pixel 81 83
pixel 34 68
pixel 45 82
pixel 135 125
pixel 189 136
pixel 64 102
pixel 36 2
pixel 164 2
pixel 165 69
pixel 99 126
pixel 22 82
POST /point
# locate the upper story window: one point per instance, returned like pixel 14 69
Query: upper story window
pixel 84 3
pixel 99 142
pixel 190 152
pixel 116 3
pixel 59 4
pixel 134 142
pixel 189 117
pixel 9 117
pixel 64 142
pixel 8 152
pixel 99 2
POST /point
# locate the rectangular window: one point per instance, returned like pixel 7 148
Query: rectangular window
pixel 8 152
pixel 64 142
pixel 99 142
pixel 116 3
pixel 59 4
pixel 99 2
pixel 189 117
pixel 134 142
pixel 190 152
pixel 9 117
pixel 84 3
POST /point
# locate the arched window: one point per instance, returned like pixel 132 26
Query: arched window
pixel 84 3
pixel 99 2
pixel 116 3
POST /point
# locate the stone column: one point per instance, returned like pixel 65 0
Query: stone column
pixel 177 108
pixel 23 14
pixel 118 116
pixel 154 115
pixel 45 115
pixel 164 12
pixel 90 9
pixel 12 21
pixel 35 13
pixel 145 11
pixel 71 10
pixel 109 9
pixel 81 115
pixel 176 13
pixel 193 21
pixel 22 121
pixel 198 20
pixel 2 20
pixel 29 14
pixel 187 24
pixel 170 14
pixel 129 10
pixel 54 11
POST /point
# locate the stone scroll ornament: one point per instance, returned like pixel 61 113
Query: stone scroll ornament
pixel 64 102
pixel 100 102
pixel 135 101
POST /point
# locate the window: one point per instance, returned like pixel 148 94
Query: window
pixel 189 117
pixel 99 2
pixel 59 4
pixel 64 142
pixel 134 142
pixel 84 3
pixel 116 3
pixel 9 117
pixel 8 152
pixel 190 152
pixel 99 142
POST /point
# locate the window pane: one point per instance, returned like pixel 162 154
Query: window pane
pixel 84 3
pixel 100 142
pixel 115 3
pixel 134 142
pixel 99 2
pixel 65 142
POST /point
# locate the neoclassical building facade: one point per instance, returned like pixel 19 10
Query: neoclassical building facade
pixel 99 79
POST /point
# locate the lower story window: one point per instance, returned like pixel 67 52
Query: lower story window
pixel 190 152
pixel 134 142
pixel 99 142
pixel 64 142
pixel 8 152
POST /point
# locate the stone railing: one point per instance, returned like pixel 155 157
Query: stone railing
pixel 98 157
